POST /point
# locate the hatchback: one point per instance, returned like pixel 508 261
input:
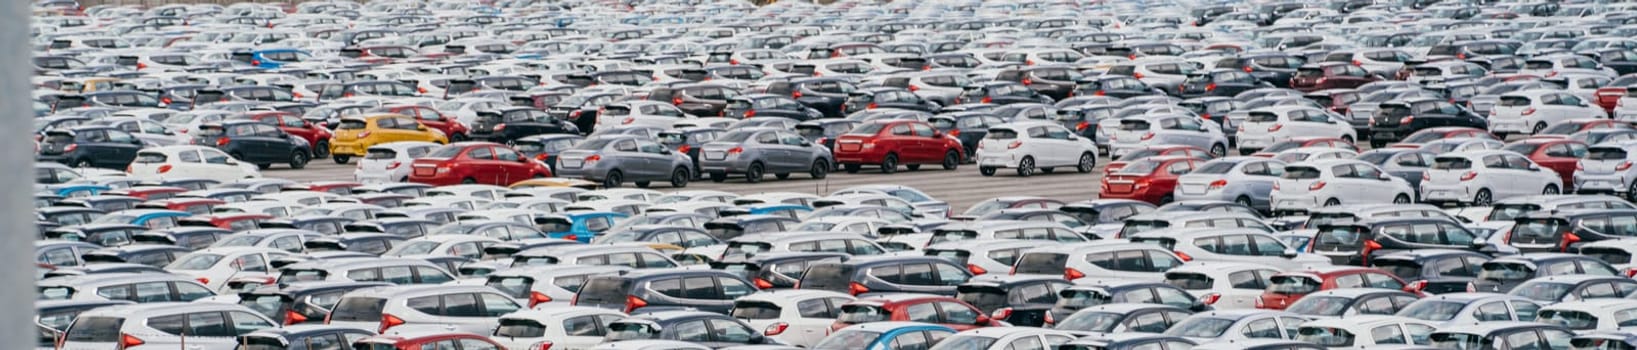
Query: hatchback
pixel 860 276
pixel 163 325
pixel 90 146
pixel 254 142
pixel 1329 182
pixel 1288 287
pixel 1243 180
pixel 568 327
pixel 302 337
pixel 1483 177
pixel 704 290
pixel 474 309
pixel 354 136
pixel 1532 111
pixel 1330 75
pixel 1031 146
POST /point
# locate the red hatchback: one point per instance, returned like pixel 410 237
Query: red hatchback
pixel 292 124
pixel 1330 75
pixel 935 309
pixel 426 342
pixel 236 222
pixel 1154 151
pixel 1287 287
pixel 1559 154
pixel 1149 180
pixel 890 143
pixel 195 206
pixel 475 163
pixel 431 118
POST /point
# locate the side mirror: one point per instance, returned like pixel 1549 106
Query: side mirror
pixel 758 339
pixel 665 151
pixel 938 134
pixel 522 159
pixel 1384 177
pixel 1289 253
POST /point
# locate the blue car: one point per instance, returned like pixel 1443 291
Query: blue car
pixel 78 190
pixel 150 218
pixel 277 58
pixel 774 209
pixel 579 226
pixel 883 335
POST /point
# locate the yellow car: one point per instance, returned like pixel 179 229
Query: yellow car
pixel 355 135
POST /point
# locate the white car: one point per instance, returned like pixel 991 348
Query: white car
pixel 1169 129
pixel 1269 125
pixel 1229 245
pixel 1483 177
pixel 555 327
pixel 1310 154
pixel 1607 168
pixel 1625 109
pixel 1007 338
pixel 1361 331
pixel 389 162
pixel 1335 182
pixel 213 267
pixel 189 162
pixel 799 317
pixel 1235 285
pixel 1602 314
pixel 1034 146
pixel 1529 112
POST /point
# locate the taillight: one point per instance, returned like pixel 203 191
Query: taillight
pixel 678 100
pixel 761 283
pixel 1631 272
pixel 1218 184
pixel 1468 176
pixel 1568 239
pixel 987 99
pixel 1276 127
pixel 292 317
pixel 1623 166
pixel 394 165
pixel 632 303
pixel 1210 87
pixel 736 150
pixel 1072 274
pixel 388 321
pixel 537 298
pixel 1406 120
pixel 1014 144
pixel 127 341
pixel 1416 287
pixel 795 94
pixel 1210 298
pixel 752 113
pixel 164 168
pixel 1136 75
pixel 1529 111
pixel 1182 256
pixel 775 329
pixel 857 289
pixel 499 127
pixel 1370 245
pixel 1028 81
pixel 870 106
pixel 1249 69
pixel 545 345
pixel 975 269
pixel 1316 186
pixel 1001 314
pixel 684 148
pixel 71 147
pixel 1357 63
pixel 593 158
pixel 222 141
pixel 363 135
pixel 202 280
pixel 1082 126
pixel 1146 137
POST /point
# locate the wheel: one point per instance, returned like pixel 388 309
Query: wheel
pixel 1332 202
pixel 1483 198
pixel 1550 189
pixel 781 176
pixel 614 178
pixel 1087 163
pixel 1167 199
pixel 1243 200
pixel 458 138
pixel 1539 127
pixel 719 176
pixel 321 150
pixel 1631 192
pixel 264 166
pixel 82 163
pixel 1219 151
pixel 890 164
pixel 986 171
pixel 820 169
pixel 951 160
pixel 642 184
pixel 468 181
pixel 1048 170
pixel 298 159
pixel 340 159
pixel 1347 138
pixel 912 167
pixel 754 173
pixel 851 168
pixel 1025 167
pixel 679 177
pixel 1401 199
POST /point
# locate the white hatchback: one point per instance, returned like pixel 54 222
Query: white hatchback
pixel 1033 146
pixel 1335 182
pixel 1482 177
pixel 389 162
pixel 189 162
pixel 1529 112
pixel 1269 125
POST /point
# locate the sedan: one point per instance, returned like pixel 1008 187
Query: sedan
pixel 754 152
pixel 1244 180
pixel 615 159
pixel 474 163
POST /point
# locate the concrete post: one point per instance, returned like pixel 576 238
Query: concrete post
pixel 17 202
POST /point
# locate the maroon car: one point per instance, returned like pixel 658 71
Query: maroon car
pixel 1330 75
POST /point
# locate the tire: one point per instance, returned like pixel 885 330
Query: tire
pixel 1539 127
pixel 986 171
pixel 1048 170
pixel 1483 198
pixel 264 166
pixel 1025 167
pixel 719 177
pixel 1243 200
pixel 614 178
pixel 82 163
pixel 912 167
pixel 340 159
pixel 680 177
pixel 321 150
pixel 753 174
pixel 1401 199
pixel 1167 199
pixel 820 169
pixel 468 181
pixel 1631 192
pixel 1551 189
pixel 298 159
pixel 781 176
pixel 1219 151
pixel 458 138
pixel 1348 139
pixel 889 164
pixel 1332 202
pixel 851 168
pixel 952 160
pixel 642 184
pixel 1087 163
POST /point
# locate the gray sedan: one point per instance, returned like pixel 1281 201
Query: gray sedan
pixel 754 152
pixel 1243 180
pixel 614 159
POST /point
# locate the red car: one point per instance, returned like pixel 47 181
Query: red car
pixel 475 163
pixel 148 192
pixel 292 124
pixel 1609 95
pixel 195 206
pixel 1287 287
pixel 237 222
pixel 1330 75
pixel 337 187
pixel 1300 142
pixel 1568 127
pixel 1444 132
pixel 1154 151
pixel 427 342
pixel 890 143
pixel 432 118
pixel 1559 154
pixel 1149 180
pixel 942 310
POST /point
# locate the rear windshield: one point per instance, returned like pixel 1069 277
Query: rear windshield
pixel 1613 256
pixel 1406 269
pixel 867 129
pixel 861 313
pixel 1042 263
pixel 1507 212
pixel 755 310
pixel 149 158
pixel 827 277
pixel 1605 153
pixel 95 330
pixel 1451 163
pixel 1134 227
pixel 604 290
pixel 1506 271
pixel 1133 125
pixel 520 328
pixel 347 124
pixel 358 309
pixel 514 286
pixel 1002 134
pixel 1300 173
pixel 983 297
pixel 1142 167
pixel 1514 101
pixel 261 343
pixel 378 153
pixel 1189 280
pixel 1326 337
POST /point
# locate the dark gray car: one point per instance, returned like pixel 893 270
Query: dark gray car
pixel 754 152
pixel 615 159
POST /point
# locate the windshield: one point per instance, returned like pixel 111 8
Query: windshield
pixel 1091 321
pixel 851 339
pixel 867 129
pixel 618 331
pixel 1507 212
pixel 1577 320
pixel 195 262
pixel 1141 167
pixel 1458 341
pixel 1545 291
pixel 1200 327
pixel 966 342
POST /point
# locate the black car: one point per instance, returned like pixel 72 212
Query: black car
pixel 1357 243
pixel 1566 230
pixel 1021 300
pixel 703 99
pixel 1504 273
pixel 710 329
pixel 545 148
pixel 768 105
pixel 255 142
pixel 1273 67
pixel 886 97
pixel 777 270
pixel 968 127
pixel 1396 120
pixel 300 302
pixel 90 146
pixel 581 110
pixel 1000 93
pixel 1118 86
pixel 874 275
pixel 1056 81
pixel 144 254
pixel 318 337
pixel 825 94
pixel 1622 61
pixel 1220 82
pixel 190 237
pixel 665 289
pixel 512 123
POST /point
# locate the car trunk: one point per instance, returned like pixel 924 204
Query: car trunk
pixel 1448 170
pixel 574 158
pixel 1604 161
pixel 830 276
pixel 1390 115
pixel 1307 77
pixel 604 292
pixel 1286 289
pixel 1132 131
pixel 56 142
pixel 1259 122
pixel 856 313
pixel 1341 243
pixel 486 122
pixel 1611 255
pixel 852 143
pixel 1511 107
pixel 738 109
pixel 998 140
pixel 1532 235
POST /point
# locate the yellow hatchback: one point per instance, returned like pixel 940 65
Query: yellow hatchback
pixel 354 136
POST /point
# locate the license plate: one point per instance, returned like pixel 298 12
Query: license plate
pixel 1192 189
pixel 715 155
pixel 571 163
pixel 425 171
pixel 1287 204
pixel 849 147
pixel 1119 188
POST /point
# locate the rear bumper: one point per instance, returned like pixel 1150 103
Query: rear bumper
pixel 1447 193
pixel 1608 183
pixel 352 148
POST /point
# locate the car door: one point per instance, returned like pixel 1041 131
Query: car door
pixel 509 167
pixel 1374 183
pixel 656 162
pixel 1062 149
pixel 795 152
pixel 1192 132
pixel 929 149
pixel 1529 181
pixel 480 162
pixel 275 144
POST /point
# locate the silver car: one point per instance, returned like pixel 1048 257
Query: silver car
pixel 615 159
pixel 1168 129
pixel 206 326
pixel 754 152
pixel 1243 180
